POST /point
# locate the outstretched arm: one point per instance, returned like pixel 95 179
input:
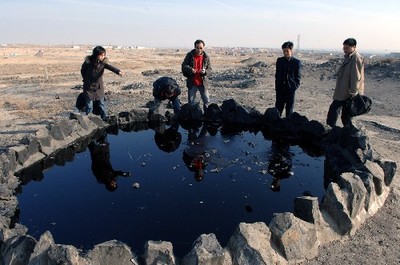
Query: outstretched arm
pixel 113 69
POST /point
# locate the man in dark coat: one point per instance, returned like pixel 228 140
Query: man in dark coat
pixel 287 79
pixel 92 71
pixel 166 88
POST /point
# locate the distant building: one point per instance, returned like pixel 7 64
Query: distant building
pixel 394 54
pixel 135 47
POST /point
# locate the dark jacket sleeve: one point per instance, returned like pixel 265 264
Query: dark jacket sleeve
pixel 297 73
pixel 207 65
pixel 187 65
pixel 278 73
pixel 112 68
pixel 83 70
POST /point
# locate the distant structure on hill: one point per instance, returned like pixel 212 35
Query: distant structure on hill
pixel 298 42
pixel 394 54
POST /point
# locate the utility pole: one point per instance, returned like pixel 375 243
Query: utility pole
pixel 298 42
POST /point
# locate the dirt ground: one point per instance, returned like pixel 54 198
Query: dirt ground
pixel 39 85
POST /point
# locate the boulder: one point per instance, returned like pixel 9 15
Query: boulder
pixel 307 209
pixel 111 253
pixel 250 244
pixel 335 203
pixel 190 113
pixel 207 251
pixel 17 250
pixel 159 252
pixel 295 238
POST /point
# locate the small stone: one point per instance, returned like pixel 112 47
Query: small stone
pixel 136 185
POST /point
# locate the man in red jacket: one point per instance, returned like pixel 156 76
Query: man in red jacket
pixel 196 67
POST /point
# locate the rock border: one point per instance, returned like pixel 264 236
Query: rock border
pixel 361 185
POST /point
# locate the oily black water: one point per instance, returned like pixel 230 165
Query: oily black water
pixel 173 185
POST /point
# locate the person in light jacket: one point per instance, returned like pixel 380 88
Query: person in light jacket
pixel 350 82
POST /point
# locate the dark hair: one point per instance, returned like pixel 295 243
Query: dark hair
pixel 168 141
pixel 287 44
pixel 350 41
pixel 198 42
pixel 111 185
pixel 98 50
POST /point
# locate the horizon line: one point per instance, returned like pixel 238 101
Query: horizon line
pixel 182 47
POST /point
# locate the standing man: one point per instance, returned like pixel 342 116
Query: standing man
pixel 350 82
pixel 287 79
pixel 196 67
pixel 92 71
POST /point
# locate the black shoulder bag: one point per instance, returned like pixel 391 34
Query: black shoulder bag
pixel 358 105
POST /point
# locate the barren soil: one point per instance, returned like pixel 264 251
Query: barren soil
pixel 41 87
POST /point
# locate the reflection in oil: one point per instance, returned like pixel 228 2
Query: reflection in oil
pixel 174 183
pixel 280 163
pixel 101 163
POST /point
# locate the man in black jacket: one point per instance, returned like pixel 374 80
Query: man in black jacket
pixel 287 79
pixel 167 88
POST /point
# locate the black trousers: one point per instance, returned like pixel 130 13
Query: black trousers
pixel 335 108
pixel 284 99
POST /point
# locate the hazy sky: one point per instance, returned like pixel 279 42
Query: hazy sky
pixel 171 23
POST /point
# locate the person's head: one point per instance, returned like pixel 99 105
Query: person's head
pixel 287 49
pixel 168 141
pixel 99 53
pixel 198 174
pixel 275 185
pixel 199 46
pixel 349 46
pixel 111 185
pixel 169 91
pixel 212 130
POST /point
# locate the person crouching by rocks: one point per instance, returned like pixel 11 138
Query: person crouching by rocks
pixel 92 71
pixel 196 67
pixel 350 82
pixel 166 88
